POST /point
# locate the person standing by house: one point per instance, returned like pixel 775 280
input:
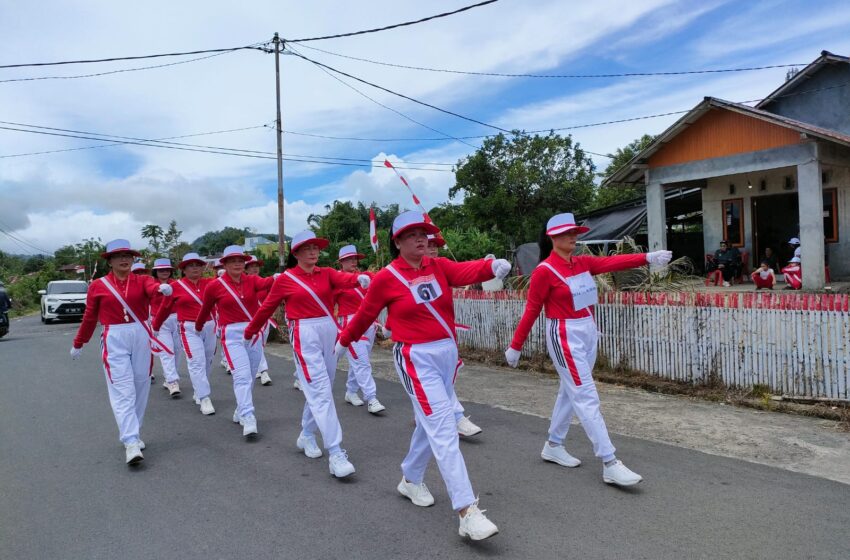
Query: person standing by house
pixel 764 277
pixel 199 347
pixel 168 331
pixel 563 284
pixel 794 244
pixel 348 301
pixel 771 259
pixel 307 291
pixel 252 268
pixel 417 292
pixel 120 301
pixel 234 294
pixel 793 274
pixel 728 261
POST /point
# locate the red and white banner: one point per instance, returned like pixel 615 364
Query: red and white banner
pixel 373 230
pixel 412 194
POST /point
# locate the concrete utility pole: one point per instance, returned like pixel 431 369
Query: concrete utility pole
pixel 281 243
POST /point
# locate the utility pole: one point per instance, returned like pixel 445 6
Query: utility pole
pixel 281 243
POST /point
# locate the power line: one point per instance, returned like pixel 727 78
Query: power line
pixel 21 241
pixel 387 107
pixel 446 111
pixel 388 27
pixel 119 58
pixel 509 75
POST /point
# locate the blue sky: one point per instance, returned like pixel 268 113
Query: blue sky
pixel 53 199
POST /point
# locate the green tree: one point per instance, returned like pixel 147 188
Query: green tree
pixel 620 192
pixel 154 235
pixel 512 186
pixel 213 242
pixel 171 237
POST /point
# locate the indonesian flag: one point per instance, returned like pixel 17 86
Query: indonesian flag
pixel 373 230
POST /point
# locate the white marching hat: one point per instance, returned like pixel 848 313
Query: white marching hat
pixel 305 236
pixel 254 260
pixel 162 264
pixel 138 266
pixel 437 239
pixel 118 246
pixel 234 251
pixel 562 223
pixel 794 241
pixel 795 259
pixel 350 251
pixel 190 258
pixel 410 219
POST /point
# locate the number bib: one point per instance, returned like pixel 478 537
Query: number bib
pixel 583 288
pixel 425 289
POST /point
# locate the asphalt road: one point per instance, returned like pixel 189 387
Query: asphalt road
pixel 205 492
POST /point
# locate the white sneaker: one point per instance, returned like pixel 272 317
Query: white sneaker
pixel 206 406
pixel 173 388
pixel 265 379
pixel 339 465
pixel 475 524
pixel 224 363
pixel 354 399
pixel 375 406
pixel 726 284
pixel 418 493
pixel 235 417
pixel 249 425
pixel 465 427
pixel 558 454
pixel 309 446
pixel 133 453
pixel 297 384
pixel 619 474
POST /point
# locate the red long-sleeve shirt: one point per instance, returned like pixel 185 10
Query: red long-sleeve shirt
pixel 158 298
pixel 412 323
pixel 299 304
pixel 215 294
pixel 181 301
pixel 348 300
pixel 103 307
pixel 548 291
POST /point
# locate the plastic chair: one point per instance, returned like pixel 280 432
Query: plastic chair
pixel 714 276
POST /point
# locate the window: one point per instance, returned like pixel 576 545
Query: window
pixel 830 215
pixel 733 222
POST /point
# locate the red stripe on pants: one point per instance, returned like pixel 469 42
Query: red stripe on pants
pixel 296 345
pixel 417 385
pixel 224 348
pixel 104 353
pixel 568 354
pixel 185 341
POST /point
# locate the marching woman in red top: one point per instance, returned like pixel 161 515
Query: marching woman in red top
pixel 185 305
pixel 348 301
pixel 307 290
pixel 417 292
pixel 252 268
pixel 234 294
pixel 168 333
pixel 120 301
pixel 563 284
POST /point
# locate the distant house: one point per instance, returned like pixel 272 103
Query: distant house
pixel 767 173
pixel 72 270
pixel 251 243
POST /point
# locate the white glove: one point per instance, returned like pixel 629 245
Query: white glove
pixel 166 290
pixel 512 357
pixel 501 268
pixel 75 352
pixel 659 258
pixel 364 280
pixel 386 332
pixel 275 275
pixel 340 350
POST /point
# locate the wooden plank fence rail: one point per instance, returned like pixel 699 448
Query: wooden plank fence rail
pixel 792 343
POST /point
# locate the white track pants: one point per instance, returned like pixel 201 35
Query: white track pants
pixel 127 364
pixel 427 374
pixel 169 334
pixel 572 347
pixel 264 364
pixel 243 358
pixel 313 343
pixel 360 368
pixel 199 348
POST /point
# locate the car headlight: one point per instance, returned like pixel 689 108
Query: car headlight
pixel 51 300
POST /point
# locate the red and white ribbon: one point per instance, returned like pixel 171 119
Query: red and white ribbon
pixel 373 230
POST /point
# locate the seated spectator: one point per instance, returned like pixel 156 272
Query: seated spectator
pixel 793 274
pixel 794 244
pixel 771 259
pixel 728 261
pixel 763 276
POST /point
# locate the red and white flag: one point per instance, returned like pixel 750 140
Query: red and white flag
pixel 413 194
pixel 373 230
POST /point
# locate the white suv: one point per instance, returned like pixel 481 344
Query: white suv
pixel 63 299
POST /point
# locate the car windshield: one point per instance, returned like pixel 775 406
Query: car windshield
pixel 69 288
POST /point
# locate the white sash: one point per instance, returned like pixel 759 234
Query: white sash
pixel 133 315
pixel 580 301
pixel 359 293
pixel 232 293
pixel 428 305
pixel 191 292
